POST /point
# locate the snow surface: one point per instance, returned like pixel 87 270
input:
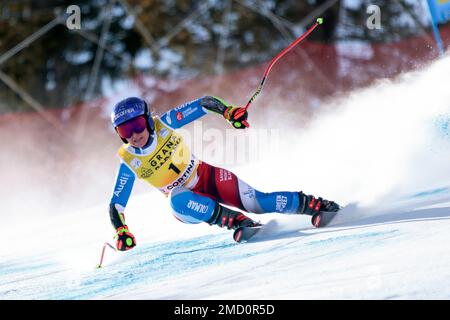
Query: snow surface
pixel 382 152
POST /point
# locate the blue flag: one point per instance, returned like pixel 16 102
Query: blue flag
pixel 440 10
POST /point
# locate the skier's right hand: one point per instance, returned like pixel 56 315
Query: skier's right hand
pixel 125 239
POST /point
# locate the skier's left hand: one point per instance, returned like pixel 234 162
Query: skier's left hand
pixel 237 117
pixel 125 239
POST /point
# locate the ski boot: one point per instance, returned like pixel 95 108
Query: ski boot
pixel 321 211
pixel 234 220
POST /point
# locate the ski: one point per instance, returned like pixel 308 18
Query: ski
pixel 323 218
pixel 245 233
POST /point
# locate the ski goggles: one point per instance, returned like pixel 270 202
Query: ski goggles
pixel 136 125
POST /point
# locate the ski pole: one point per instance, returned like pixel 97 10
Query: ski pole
pixel 282 53
pixel 107 244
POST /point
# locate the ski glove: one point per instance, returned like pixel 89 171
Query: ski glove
pixel 125 239
pixel 237 117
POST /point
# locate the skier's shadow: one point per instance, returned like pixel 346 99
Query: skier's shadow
pixel 283 235
pixel 354 217
pixel 278 232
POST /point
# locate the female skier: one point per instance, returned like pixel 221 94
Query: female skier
pixel 154 152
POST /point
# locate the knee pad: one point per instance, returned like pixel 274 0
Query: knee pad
pixel 190 207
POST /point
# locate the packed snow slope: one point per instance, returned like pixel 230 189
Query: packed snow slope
pixel 382 152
